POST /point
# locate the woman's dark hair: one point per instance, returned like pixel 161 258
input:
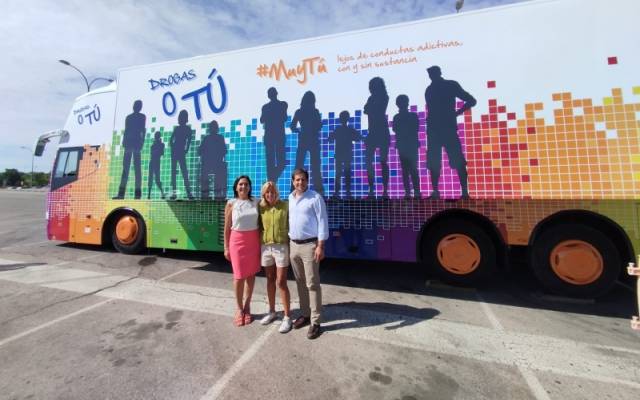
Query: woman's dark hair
pixel 235 186
pixel 308 100
pixel 377 86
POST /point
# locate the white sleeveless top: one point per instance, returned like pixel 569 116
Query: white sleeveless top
pixel 244 214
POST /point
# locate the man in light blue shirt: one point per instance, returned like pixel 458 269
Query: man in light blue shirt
pixel 308 232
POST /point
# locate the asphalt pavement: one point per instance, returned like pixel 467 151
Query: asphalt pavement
pixel 85 322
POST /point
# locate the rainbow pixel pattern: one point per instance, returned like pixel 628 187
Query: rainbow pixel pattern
pixel 521 169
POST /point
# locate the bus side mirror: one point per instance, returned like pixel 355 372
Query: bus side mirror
pixel 40 147
pixel 45 138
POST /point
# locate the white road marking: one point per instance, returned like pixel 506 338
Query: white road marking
pixel 219 386
pixel 92 256
pixel 54 321
pixel 607 364
pixel 4 261
pixel 532 381
pixel 166 278
pixel 21 244
pixel 44 274
pixel 489 313
pixel 534 384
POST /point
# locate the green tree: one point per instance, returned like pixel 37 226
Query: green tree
pixel 12 177
pixel 40 178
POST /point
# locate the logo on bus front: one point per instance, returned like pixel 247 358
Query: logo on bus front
pixel 215 100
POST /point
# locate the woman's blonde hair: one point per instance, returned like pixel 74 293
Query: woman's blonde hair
pixel 268 185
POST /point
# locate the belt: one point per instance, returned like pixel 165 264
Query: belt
pixel 303 241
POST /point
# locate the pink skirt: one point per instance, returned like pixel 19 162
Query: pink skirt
pixel 244 251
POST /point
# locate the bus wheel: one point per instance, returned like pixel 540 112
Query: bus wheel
pixel 459 252
pixel 128 234
pixel 575 260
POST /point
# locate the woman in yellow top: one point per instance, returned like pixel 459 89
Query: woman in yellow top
pixel 274 220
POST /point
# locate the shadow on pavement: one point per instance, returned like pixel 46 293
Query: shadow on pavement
pixel 360 314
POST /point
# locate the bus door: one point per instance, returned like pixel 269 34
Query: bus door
pixel 65 172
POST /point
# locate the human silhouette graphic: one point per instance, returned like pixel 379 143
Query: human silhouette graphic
pixel 157 151
pixel 442 127
pixel 310 122
pixel 274 115
pixel 132 141
pixel 379 135
pixel 344 136
pixel 180 142
pixel 212 151
pixel 405 126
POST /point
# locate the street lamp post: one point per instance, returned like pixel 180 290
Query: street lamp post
pixel 29 150
pixel 86 81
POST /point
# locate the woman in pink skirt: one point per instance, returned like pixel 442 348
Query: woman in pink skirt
pixel 242 245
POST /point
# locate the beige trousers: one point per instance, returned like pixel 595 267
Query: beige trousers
pixel 307 273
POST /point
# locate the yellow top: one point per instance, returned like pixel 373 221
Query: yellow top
pixel 274 221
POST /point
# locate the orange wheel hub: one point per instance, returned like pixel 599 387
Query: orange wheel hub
pixel 459 254
pixel 576 262
pixel 127 229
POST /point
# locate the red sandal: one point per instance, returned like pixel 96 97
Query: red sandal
pixel 238 320
pixel 248 318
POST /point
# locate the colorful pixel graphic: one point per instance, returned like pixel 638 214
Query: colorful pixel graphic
pixel 588 152
pixel 521 169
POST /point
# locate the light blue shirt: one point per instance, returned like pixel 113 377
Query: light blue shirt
pixel 308 216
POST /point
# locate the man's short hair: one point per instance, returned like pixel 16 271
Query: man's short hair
pixel 434 70
pixel 300 171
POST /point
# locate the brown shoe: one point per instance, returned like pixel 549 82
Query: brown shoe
pixel 314 331
pixel 300 322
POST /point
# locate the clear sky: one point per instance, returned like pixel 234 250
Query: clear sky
pixel 99 37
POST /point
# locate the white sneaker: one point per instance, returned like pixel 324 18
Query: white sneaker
pixel 285 326
pixel 267 319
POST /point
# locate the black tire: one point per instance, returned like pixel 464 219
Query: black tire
pixel 486 267
pixel 540 260
pixel 139 242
